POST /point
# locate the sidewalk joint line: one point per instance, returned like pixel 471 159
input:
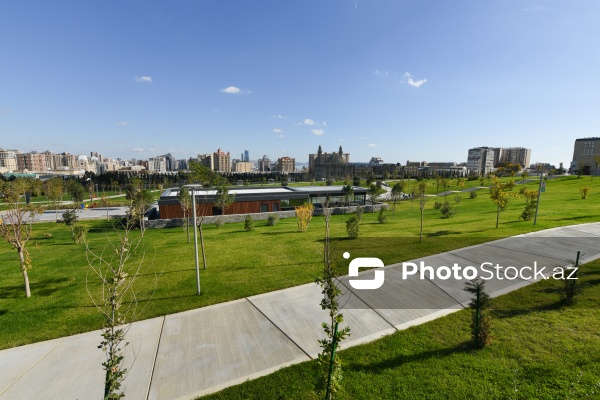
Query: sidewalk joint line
pixel 155 356
pixel 278 328
pixel 368 305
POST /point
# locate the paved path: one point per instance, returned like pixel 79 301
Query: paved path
pixel 200 351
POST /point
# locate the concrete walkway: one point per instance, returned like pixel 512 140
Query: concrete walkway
pixel 200 351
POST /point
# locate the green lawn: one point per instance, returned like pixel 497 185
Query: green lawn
pixel 541 350
pixel 244 263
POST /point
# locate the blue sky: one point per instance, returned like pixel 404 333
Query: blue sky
pixel 402 80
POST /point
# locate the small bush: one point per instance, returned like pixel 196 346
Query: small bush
pixel 584 191
pixel 382 218
pixel 530 204
pixel 356 181
pixel 47 235
pixel 447 210
pixel 353 227
pixel 79 233
pixel 437 205
pixel 70 217
pixel 457 198
pixel 248 223
pixel 570 287
pixel 522 190
pixel 472 194
pixel 273 220
pixel 481 324
pixel 219 222
pixel 329 182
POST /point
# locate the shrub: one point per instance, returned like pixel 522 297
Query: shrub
pixel 356 181
pixel 522 190
pixel 219 222
pixel 481 324
pixel 79 233
pixel 273 220
pixel 353 227
pixel 530 204
pixel 437 205
pixel 47 235
pixel 447 210
pixel 472 194
pixel 303 216
pixel 584 191
pixel 70 217
pixel 457 198
pixel 382 218
pixel 248 223
pixel 329 182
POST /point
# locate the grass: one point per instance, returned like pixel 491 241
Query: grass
pixel 244 263
pixel 541 350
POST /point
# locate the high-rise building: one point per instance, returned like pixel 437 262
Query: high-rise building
pixel 31 162
pixel 480 160
pixel 157 165
pixel 264 164
pixel 246 156
pixel 585 153
pixel 329 165
pixel 222 161
pixel 513 155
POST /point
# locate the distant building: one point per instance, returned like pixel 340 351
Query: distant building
pixel 242 166
pixel 330 165
pixel 286 164
pixel 222 161
pixel 584 152
pixel 376 161
pixel 8 160
pixel 512 155
pixel 157 165
pixel 480 160
pixel 246 157
pixel 264 164
pixel 207 160
pixel 32 162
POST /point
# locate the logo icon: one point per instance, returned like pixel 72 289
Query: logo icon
pixel 365 262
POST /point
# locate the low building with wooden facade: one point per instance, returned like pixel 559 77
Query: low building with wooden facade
pixel 258 200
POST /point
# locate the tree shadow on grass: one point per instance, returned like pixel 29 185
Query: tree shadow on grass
pixel 41 288
pixel 442 233
pixel 378 367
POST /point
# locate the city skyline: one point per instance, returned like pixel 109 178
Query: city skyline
pixel 400 80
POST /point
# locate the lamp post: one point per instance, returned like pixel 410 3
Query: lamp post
pixel 195 238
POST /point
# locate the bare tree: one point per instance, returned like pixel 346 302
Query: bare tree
pixel 55 188
pixel 15 224
pixel 185 202
pixel 117 268
pixel 422 201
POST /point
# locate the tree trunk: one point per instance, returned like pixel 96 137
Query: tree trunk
pixel 24 269
pixel 421 232
pixel 202 244
pixel 187 228
pixel 497 216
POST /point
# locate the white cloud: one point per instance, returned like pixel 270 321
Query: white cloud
pixel 372 145
pixel 308 121
pixel 412 82
pixel 317 132
pixel 231 90
pixel 381 73
pixel 138 149
pixel 122 123
pixel 143 79
pixel 280 136
pixel 277 130
pixel 279 116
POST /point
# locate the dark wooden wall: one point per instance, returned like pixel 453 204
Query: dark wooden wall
pixel 169 211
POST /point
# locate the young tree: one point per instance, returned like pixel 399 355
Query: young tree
pixel 105 202
pixel 117 269
pixel 348 192
pixel 373 194
pixel 596 163
pixel 76 190
pixel 396 193
pixel 248 223
pixel 223 198
pixel 584 191
pixel 15 224
pixel 328 358
pixel 54 191
pixel 530 204
pixel 185 201
pixel 304 215
pixel 422 201
pixel 481 325
pixel 353 227
pixel 499 195
pixel 141 200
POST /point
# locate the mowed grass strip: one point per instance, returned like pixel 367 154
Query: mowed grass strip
pixel 242 264
pixel 541 350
